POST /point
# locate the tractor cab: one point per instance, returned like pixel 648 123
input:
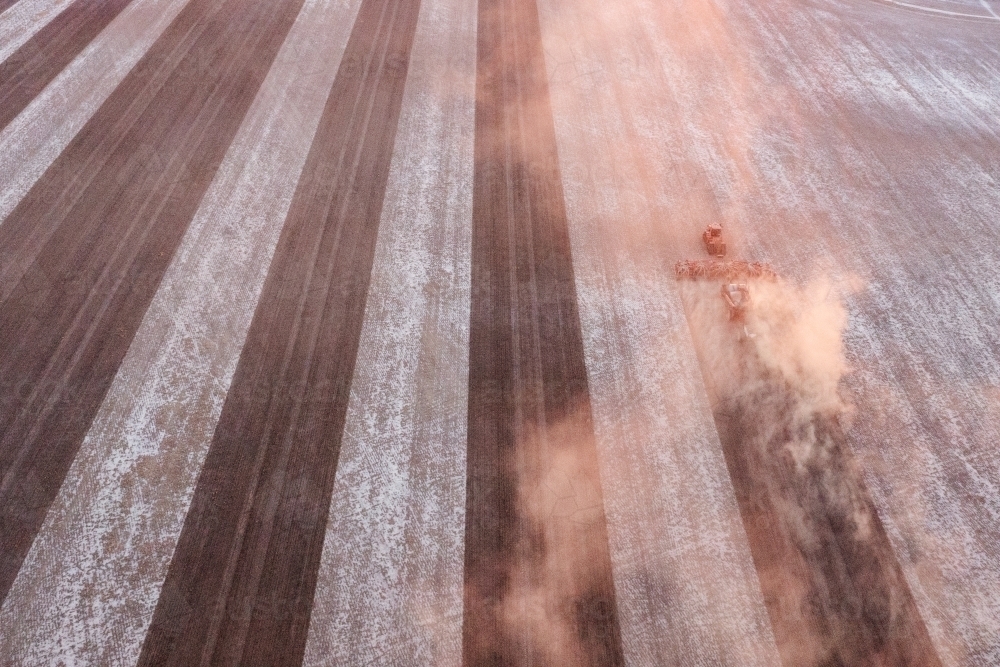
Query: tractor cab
pixel 714 243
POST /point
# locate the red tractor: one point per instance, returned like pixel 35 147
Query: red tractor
pixel 714 243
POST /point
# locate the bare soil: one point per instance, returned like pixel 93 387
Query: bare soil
pixel 240 586
pixel 84 251
pixel 529 409
pixel 39 60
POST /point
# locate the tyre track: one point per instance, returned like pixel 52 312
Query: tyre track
pixel 39 134
pixel 538 586
pixel 673 521
pixel 105 547
pixel 21 19
pixel 84 251
pixel 389 587
pixel 240 586
pixel 39 60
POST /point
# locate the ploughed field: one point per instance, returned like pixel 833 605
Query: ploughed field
pixel 341 332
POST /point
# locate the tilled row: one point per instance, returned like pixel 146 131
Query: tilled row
pixel 247 559
pixel 84 252
pixel 538 586
pixel 39 60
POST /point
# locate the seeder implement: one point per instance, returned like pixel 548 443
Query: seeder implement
pixel 730 271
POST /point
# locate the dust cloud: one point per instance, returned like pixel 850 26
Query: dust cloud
pixel 558 606
pixel 792 333
pixel 831 581
pixel 799 336
pixel 781 366
pixel 563 545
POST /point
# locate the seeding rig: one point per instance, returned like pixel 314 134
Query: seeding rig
pixel 735 274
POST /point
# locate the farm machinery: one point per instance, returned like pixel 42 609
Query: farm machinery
pixel 735 275
pixel 714 243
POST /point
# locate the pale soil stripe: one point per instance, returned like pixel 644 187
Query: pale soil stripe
pixel 88 588
pixel 389 589
pixel 685 583
pixel 33 140
pixel 20 23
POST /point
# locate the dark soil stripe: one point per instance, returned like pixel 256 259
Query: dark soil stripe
pixel 529 409
pixel 39 60
pixel 82 255
pixel 6 4
pixel 832 584
pixel 240 586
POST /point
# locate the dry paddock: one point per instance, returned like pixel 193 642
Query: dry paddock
pixel 346 332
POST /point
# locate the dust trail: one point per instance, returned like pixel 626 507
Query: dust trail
pixel 563 516
pixel 831 581
pixel 558 606
pixel 537 563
